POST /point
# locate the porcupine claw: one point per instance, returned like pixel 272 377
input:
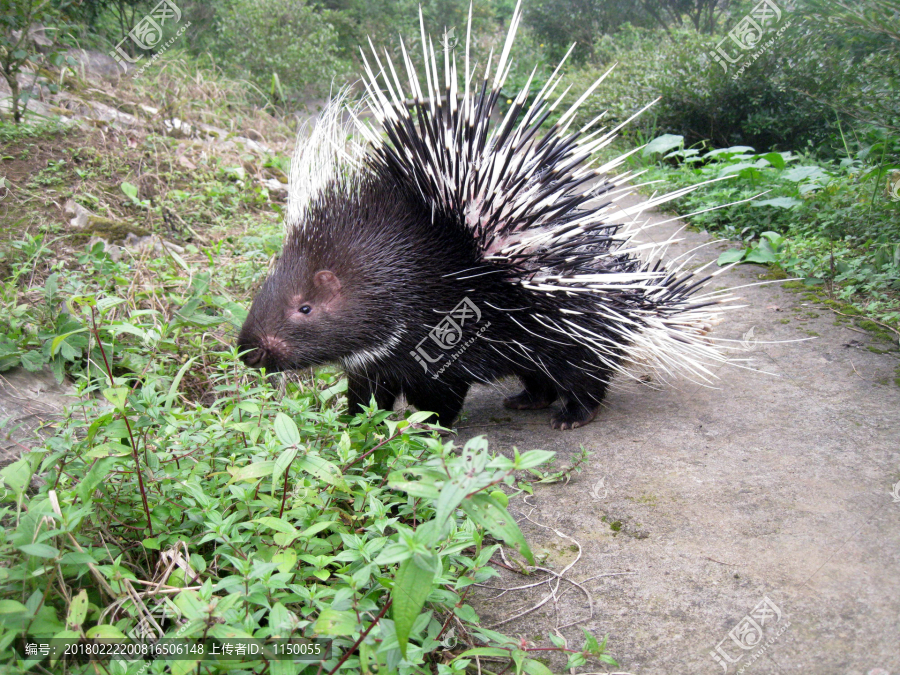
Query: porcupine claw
pixel 574 415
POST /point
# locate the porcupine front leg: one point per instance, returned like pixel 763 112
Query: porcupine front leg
pixel 444 399
pixel 539 393
pixel 361 386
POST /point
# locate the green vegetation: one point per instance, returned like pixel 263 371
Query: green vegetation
pixel 277 516
pixel 831 223
pixel 233 504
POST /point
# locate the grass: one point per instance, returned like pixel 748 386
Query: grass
pixel 183 486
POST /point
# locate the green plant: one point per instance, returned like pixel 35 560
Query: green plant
pixel 285 519
pixel 287 38
pixel 19 52
pixel 823 221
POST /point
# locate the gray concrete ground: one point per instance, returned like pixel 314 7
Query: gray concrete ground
pixel 758 529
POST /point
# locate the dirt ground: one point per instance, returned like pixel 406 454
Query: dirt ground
pixel 753 527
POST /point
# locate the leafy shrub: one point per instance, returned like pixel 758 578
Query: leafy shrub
pixel 818 220
pixel 699 100
pixel 287 38
pixel 277 517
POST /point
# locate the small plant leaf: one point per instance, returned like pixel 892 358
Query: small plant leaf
pixel 286 429
pixel 487 512
pixel 335 622
pixel 130 190
pixel 324 470
pixel 411 586
pixel 731 256
pixel 779 202
pixel 663 144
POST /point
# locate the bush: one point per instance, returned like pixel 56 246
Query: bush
pixel 822 221
pixel 699 100
pixel 287 38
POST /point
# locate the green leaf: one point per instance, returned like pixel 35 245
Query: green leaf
pixel 412 584
pixel 323 470
pixel 334 622
pixel 762 254
pixel 776 159
pixel 533 667
pixel 286 560
pixel 173 390
pixel 32 361
pixel 731 256
pixel 117 396
pixel 12 612
pixel 184 667
pixel 286 429
pixel 230 633
pixel 253 471
pixel 129 190
pixel 77 558
pixel 59 339
pixel 417 488
pixel 94 477
pixel 282 462
pixel 485 651
pixel 801 173
pixel 334 390
pixel 663 144
pixel 277 524
pixel 17 476
pixel 735 168
pixel 779 202
pixel 78 609
pixel 590 643
pixel 533 458
pixel 39 550
pixel 451 495
pixel 488 513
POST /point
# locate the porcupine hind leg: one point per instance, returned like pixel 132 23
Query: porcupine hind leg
pixel 539 393
pixel 445 399
pixel 361 386
pixel 575 414
pixel 580 407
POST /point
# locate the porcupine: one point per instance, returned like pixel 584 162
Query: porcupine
pixel 451 250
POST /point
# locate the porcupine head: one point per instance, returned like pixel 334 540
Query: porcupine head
pixel 382 241
pixel 363 275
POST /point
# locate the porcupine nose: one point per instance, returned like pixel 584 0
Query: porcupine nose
pixel 265 352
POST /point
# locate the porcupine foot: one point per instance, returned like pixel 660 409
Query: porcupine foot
pixel 538 394
pixel 574 414
pixel 445 401
pixel 362 386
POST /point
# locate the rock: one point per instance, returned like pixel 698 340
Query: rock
pixel 94 64
pixel 137 245
pixel 28 401
pixel 80 215
pixel 274 185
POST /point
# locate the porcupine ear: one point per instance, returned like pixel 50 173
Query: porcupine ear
pixel 328 283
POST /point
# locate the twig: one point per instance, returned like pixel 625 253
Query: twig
pixel 134 450
pixel 361 637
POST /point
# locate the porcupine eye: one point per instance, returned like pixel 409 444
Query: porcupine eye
pixel 300 312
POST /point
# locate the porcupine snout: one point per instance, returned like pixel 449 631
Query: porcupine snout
pixel 263 351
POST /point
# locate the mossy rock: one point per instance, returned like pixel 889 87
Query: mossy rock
pixel 113 231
